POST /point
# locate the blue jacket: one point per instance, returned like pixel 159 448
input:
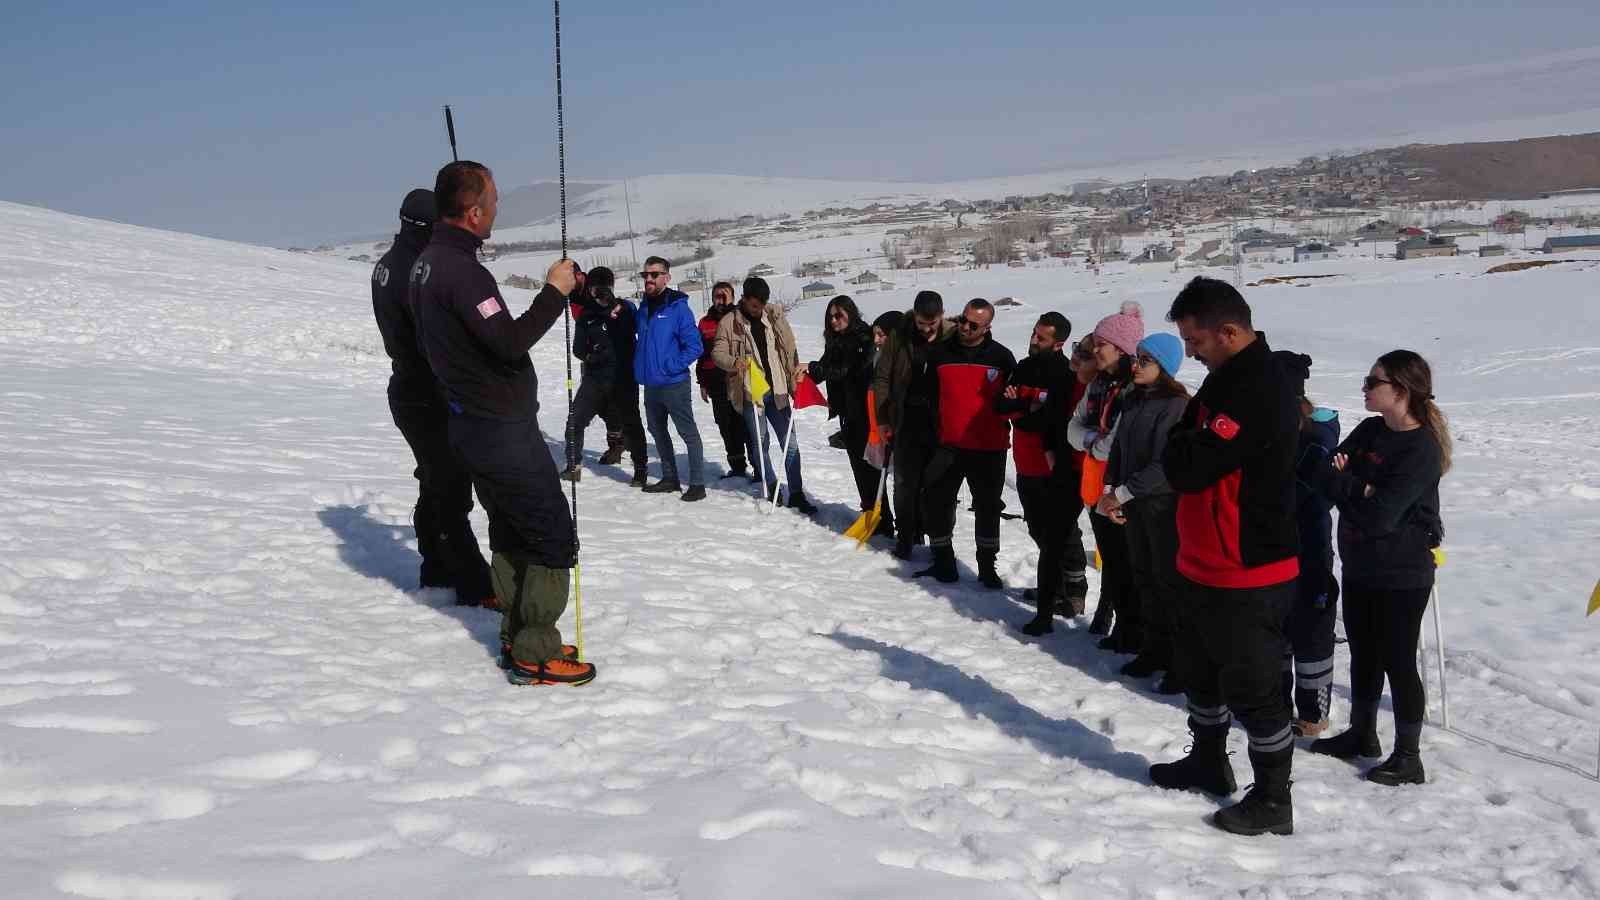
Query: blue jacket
pixel 1318 439
pixel 669 342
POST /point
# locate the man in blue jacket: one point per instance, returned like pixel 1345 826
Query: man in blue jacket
pixel 669 345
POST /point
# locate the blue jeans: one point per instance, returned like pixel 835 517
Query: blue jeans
pixel 779 419
pixel 676 401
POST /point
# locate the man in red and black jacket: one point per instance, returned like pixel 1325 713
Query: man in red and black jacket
pixel 970 371
pixel 1035 401
pixel 1231 460
pixel 714 384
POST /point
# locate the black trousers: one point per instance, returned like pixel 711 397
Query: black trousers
pixel 914 446
pixel 984 472
pixel 618 406
pixel 730 424
pixel 866 475
pixel 1116 577
pixel 1050 507
pixel 517 481
pixel 1308 662
pixel 1229 654
pixel 1384 627
pixel 1152 533
pixel 449 549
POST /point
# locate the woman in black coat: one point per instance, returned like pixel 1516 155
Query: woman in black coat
pixel 846 368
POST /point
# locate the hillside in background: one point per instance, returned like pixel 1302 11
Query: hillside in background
pixel 1507 170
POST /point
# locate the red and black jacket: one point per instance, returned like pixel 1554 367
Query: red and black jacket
pixel 706 372
pixel 970 379
pixel 1231 460
pixel 1045 379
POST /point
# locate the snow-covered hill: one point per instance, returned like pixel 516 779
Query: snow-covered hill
pixel 217 679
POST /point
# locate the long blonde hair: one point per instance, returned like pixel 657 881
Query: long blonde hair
pixel 1407 369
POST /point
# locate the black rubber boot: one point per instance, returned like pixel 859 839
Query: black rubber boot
pixel 944 566
pixel 1103 618
pixel 1360 739
pixel 1142 666
pixel 641 477
pixel 1043 621
pixel 664 486
pixel 1206 767
pixel 1266 809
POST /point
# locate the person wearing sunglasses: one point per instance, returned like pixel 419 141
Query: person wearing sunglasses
pixel 846 367
pixel 1137 488
pixel 714 387
pixel 479 353
pixel 1384 479
pixel 1093 430
pixel 970 371
pixel 1035 400
pixel 907 417
pixel 1231 461
pixel 668 346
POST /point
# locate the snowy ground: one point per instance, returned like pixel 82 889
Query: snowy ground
pixel 218 680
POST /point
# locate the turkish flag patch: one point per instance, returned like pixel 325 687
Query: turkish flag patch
pixel 488 307
pixel 1224 427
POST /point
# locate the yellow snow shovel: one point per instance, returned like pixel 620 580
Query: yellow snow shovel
pixel 867 523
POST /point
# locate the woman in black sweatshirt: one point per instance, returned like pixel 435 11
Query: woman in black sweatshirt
pixel 1384 479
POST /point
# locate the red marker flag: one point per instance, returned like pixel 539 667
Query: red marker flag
pixel 806 393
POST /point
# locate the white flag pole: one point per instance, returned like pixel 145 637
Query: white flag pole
pixel 1438 641
pixel 757 439
pixel 783 468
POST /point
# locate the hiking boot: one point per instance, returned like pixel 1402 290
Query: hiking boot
pixel 987 576
pixel 1170 684
pixel 902 548
pixel 664 486
pixel 1205 768
pixel 1303 728
pixel 740 472
pixel 612 456
pixel 1074 593
pixel 640 478
pixel 489 602
pixel 1141 666
pixel 568 651
pixel 695 492
pixel 801 505
pixel 1402 767
pixel 553 671
pixel 1264 810
pixel 1349 744
pixel 944 566
pixel 572 473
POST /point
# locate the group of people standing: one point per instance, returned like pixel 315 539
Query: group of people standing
pixel 1211 513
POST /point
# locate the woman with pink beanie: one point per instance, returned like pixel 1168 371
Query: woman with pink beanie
pixel 1092 430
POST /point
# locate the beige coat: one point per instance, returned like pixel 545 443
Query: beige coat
pixel 735 342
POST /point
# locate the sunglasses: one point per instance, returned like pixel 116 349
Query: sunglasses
pixel 648 275
pixel 965 322
pixel 1371 382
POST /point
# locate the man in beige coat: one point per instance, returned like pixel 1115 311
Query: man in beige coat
pixel 759 331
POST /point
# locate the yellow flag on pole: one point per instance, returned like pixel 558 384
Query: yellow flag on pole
pixel 758 382
pixel 1594 600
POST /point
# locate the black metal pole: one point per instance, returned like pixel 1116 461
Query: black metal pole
pixel 450 126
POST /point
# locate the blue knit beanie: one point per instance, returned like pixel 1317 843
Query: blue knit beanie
pixel 1165 349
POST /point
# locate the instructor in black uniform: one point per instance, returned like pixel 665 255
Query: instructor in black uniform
pixel 479 352
pixel 450 554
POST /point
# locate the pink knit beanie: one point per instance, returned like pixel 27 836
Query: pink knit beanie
pixel 1123 330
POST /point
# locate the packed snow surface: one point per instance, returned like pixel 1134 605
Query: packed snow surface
pixel 219 680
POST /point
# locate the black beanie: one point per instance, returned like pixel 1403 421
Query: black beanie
pixel 600 276
pixel 419 209
pixel 1296 367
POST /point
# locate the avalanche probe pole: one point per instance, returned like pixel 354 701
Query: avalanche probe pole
pixel 566 325
pixel 450 128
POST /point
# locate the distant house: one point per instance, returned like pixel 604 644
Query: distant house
pixel 1419 247
pixel 1206 251
pixel 762 270
pixel 692 285
pixel 1154 254
pixel 867 278
pixel 1313 252
pixel 1456 227
pixel 1571 243
pixel 1259 251
pixel 817 289
pixel 1492 250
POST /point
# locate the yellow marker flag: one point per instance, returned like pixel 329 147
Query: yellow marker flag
pixel 1438 557
pixel 758 382
pixel 1594 600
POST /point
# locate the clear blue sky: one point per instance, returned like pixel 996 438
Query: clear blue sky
pixel 293 122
